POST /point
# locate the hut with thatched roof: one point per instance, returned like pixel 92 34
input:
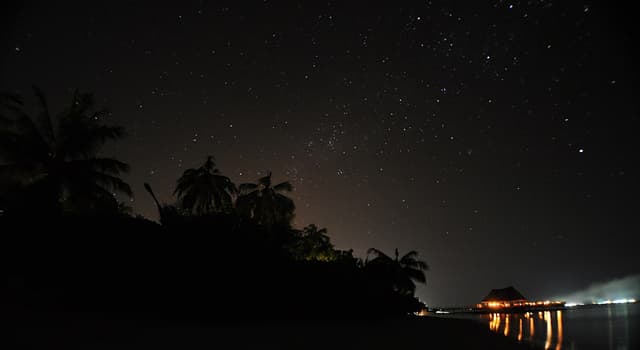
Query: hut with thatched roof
pixel 504 297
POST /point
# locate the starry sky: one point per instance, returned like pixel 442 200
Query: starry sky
pixel 497 138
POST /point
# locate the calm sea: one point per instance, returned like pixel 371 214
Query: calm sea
pixel 613 327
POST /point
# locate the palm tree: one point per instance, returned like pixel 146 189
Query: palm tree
pixel 266 204
pixel 169 214
pixel 314 244
pixel 401 273
pixel 8 104
pixel 205 190
pixel 54 161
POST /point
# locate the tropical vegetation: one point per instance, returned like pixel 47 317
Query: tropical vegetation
pixel 219 248
pixel 54 162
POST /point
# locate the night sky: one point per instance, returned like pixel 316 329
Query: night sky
pixel 497 138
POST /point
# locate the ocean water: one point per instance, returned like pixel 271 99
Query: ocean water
pixel 612 327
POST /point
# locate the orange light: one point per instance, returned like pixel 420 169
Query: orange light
pixel 547 320
pixel 506 326
pixel 559 326
pixel 532 328
pixel 520 331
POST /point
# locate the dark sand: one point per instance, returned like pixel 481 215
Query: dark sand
pixel 84 331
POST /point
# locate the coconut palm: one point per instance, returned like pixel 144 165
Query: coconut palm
pixel 205 190
pixel 265 204
pixel 169 214
pixel 402 273
pixel 54 161
pixel 8 102
pixel 314 244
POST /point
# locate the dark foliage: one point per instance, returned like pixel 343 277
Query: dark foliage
pixel 209 268
pixel 52 162
pixel 69 245
pixel 266 204
pixel 205 190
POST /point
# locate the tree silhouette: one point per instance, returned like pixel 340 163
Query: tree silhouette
pixel 314 244
pixel 205 190
pixel 401 273
pixel 149 190
pixel 9 103
pixel 54 162
pixel 169 214
pixel 266 204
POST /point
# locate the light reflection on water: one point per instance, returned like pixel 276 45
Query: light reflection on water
pixel 602 327
pixel 551 321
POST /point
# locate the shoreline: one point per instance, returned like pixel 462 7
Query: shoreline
pixel 81 330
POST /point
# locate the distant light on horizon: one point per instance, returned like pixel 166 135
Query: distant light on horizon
pixel 617 301
pixel 604 302
pixel 622 290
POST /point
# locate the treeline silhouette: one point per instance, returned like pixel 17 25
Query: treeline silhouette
pixel 220 251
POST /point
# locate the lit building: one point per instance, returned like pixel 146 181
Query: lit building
pixel 510 298
pixel 505 297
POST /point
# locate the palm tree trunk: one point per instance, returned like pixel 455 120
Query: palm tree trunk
pixel 150 191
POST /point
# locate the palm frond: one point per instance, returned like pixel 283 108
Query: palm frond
pixel 247 188
pixel 28 140
pixel 205 190
pixel 410 255
pixel 377 254
pixel 60 165
pixel 9 102
pixel 10 146
pixel 283 187
pixel 82 137
pixel 232 188
pixel 265 181
pixel 109 166
pixel 416 275
pixel 209 164
pixel 8 98
pixel 112 183
pixel 43 117
pixel 245 204
pixel 411 260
